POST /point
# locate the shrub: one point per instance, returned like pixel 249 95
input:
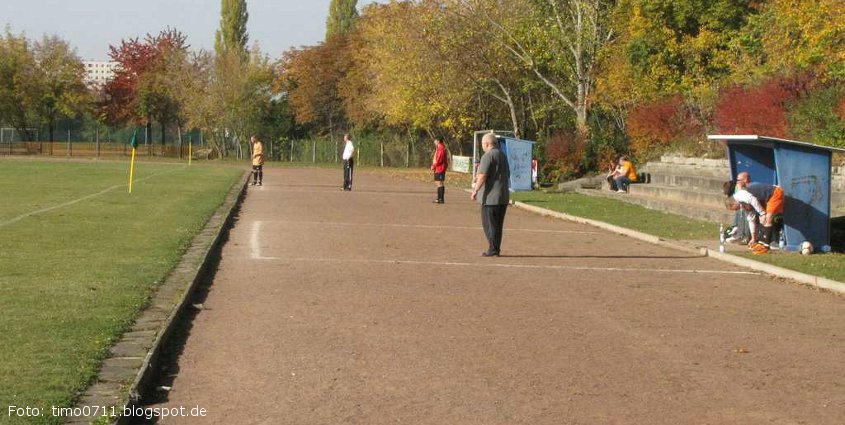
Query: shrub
pixel 654 127
pixel 564 157
pixel 818 118
pixel 760 109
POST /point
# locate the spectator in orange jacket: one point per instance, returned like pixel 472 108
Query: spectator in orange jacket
pixel 622 177
pixel 439 165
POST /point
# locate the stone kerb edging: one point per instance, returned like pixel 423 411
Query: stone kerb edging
pixel 131 368
pixel 818 282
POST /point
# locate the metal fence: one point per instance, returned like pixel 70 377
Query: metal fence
pixel 370 151
pixel 100 150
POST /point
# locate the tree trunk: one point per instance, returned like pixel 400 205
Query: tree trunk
pixel 179 133
pixel 147 132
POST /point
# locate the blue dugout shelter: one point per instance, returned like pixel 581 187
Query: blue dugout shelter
pixel 803 170
pixel 519 152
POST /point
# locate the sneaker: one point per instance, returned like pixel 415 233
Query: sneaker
pixel 732 239
pixel 762 250
pixel 621 191
pixel 437 201
pixel 489 254
pixel 755 246
pixel 252 184
pixel 260 184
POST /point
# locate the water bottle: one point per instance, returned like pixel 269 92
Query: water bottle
pixel 781 240
pixel 721 237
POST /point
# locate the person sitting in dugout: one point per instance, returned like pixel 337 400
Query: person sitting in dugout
pixel 761 202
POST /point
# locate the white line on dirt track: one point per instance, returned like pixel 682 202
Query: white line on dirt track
pixel 254 241
pixel 512 266
pixel 427 226
pixel 76 201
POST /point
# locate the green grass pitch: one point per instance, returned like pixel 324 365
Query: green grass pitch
pixel 80 257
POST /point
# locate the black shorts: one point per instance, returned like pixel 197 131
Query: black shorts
pixel 439 177
pixel 257 167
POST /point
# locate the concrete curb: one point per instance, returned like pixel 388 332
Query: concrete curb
pixel 815 281
pixel 131 368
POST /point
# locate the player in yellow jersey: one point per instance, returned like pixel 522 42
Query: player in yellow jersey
pixel 257 160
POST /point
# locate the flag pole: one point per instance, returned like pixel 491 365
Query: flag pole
pixel 134 143
pixel 131 170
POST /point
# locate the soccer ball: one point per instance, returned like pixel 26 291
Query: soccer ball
pixel 806 248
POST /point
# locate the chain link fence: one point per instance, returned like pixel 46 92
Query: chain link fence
pixel 381 151
pixel 95 141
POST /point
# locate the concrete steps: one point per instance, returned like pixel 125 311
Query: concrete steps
pixel 708 198
pixel 702 183
pixel 693 187
pixel 706 212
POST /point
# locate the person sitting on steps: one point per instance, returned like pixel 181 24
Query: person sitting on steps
pixel 622 175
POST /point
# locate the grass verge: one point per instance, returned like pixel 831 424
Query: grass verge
pixel 672 226
pixel 79 258
pixel 664 225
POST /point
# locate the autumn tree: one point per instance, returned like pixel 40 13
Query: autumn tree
pixel 310 77
pixel 230 98
pixel 157 91
pixel 142 88
pixel 135 58
pixel 558 41
pixel 661 76
pixel 410 83
pixel 342 17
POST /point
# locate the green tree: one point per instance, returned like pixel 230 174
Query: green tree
pixel 60 80
pixel 229 97
pixel 232 35
pixel 342 17
pixel 19 83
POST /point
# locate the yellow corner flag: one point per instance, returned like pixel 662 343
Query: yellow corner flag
pixel 134 143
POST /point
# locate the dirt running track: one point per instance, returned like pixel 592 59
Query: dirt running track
pixel 375 307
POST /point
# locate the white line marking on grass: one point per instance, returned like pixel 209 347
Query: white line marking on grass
pixel 428 226
pixel 76 201
pixel 501 265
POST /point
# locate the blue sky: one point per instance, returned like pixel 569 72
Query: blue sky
pixel 92 25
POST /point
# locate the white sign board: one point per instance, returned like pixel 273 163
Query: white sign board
pixel 519 160
pixel 461 164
